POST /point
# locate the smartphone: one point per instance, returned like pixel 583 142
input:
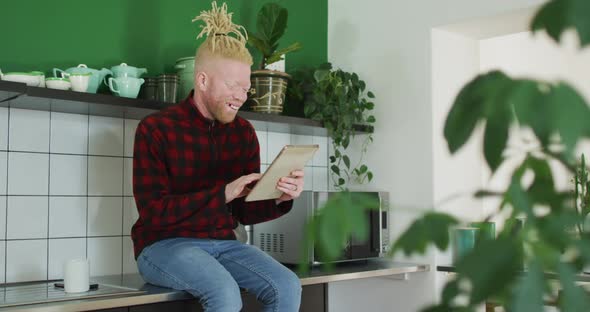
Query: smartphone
pixel 93 286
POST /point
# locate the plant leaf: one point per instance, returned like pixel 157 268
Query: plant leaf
pixel 570 114
pixel 433 227
pixel 470 106
pixel 277 55
pixel 502 258
pixel 335 169
pixel 346 161
pixel 259 44
pixel 496 136
pixel 574 297
pixel 271 22
pixel 529 290
pixel 557 16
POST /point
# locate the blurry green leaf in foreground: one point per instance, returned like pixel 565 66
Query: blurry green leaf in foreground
pixel 342 216
pixel 529 290
pixel 556 16
pixel 491 266
pixel 573 297
pixel 431 228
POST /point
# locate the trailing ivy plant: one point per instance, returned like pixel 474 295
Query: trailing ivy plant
pixel 340 101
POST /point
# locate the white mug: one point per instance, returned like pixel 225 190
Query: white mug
pixel 77 276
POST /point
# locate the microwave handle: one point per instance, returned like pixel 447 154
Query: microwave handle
pixel 375 231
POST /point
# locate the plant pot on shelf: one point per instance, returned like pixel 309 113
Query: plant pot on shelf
pixel 267 94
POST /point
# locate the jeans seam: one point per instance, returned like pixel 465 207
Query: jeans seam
pixel 264 276
pixel 170 276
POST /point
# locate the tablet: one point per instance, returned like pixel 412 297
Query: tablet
pixel 291 157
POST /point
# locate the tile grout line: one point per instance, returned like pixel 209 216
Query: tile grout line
pixel 6 208
pixel 65 154
pixel 123 197
pixel 87 181
pixel 48 194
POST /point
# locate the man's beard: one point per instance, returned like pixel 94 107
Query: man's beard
pixel 222 115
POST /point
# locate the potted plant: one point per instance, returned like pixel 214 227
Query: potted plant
pixel 341 102
pixel 269 86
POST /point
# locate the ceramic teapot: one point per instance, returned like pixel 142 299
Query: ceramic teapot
pixel 124 70
pixel 96 75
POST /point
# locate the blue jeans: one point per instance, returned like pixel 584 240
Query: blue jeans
pixel 215 270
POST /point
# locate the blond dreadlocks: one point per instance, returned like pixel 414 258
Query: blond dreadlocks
pixel 219 42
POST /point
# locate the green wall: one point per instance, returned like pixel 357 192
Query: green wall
pixel 41 35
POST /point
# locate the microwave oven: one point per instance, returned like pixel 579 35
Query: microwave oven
pixel 282 238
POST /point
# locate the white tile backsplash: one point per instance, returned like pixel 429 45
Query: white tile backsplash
pixel 308 178
pixel 28 217
pixel 298 139
pixel 105 216
pixel 105 176
pixel 26 260
pixel 130 126
pixel 128 177
pixel 3 172
pixel 105 254
pixel 106 136
pixel 3 128
pixel 130 214
pixel 320 179
pixel 69 133
pixel 62 250
pixel 262 136
pixel 67 216
pixel 68 175
pixel 3 200
pixel 28 174
pixel 321 156
pixel 276 142
pixel 98 226
pixel 28 130
pixel 129 263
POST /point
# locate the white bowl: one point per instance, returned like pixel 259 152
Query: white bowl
pixel 29 79
pixel 58 83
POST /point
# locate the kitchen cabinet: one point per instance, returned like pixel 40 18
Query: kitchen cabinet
pixel 19 95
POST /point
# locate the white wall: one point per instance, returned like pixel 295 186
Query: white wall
pixel 388 43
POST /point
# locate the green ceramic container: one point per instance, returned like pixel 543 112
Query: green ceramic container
pixel 463 241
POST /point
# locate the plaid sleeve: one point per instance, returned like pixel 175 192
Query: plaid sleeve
pixel 157 207
pixel 256 211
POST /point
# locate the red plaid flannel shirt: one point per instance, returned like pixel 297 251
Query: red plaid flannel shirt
pixel 181 165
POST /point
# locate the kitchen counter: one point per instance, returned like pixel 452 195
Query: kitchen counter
pixel 153 294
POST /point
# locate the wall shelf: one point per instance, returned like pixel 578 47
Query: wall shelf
pixel 19 95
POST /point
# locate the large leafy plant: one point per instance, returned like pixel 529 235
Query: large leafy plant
pixel 558 118
pixel 341 102
pixel 271 24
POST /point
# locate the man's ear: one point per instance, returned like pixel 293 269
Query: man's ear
pixel 201 81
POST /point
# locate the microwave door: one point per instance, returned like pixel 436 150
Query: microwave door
pixel 369 248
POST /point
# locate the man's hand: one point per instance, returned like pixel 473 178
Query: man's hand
pixel 237 188
pixel 291 186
